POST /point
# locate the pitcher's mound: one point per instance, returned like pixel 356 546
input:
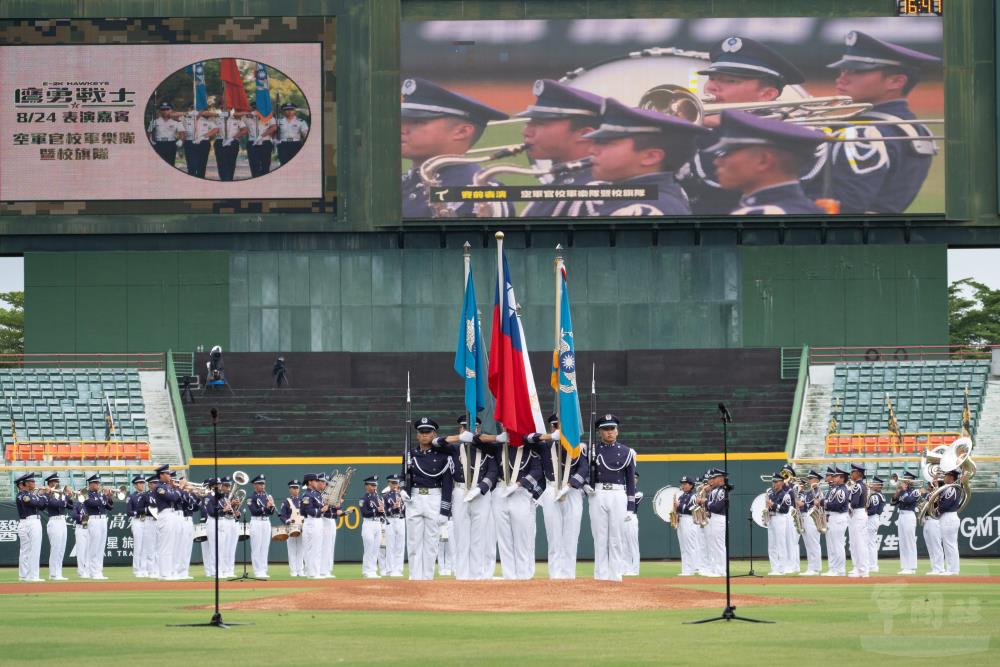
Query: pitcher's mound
pixel 499 596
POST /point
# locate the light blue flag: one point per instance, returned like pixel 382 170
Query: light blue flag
pixel 200 94
pixel 468 353
pixel 570 422
pixel 263 97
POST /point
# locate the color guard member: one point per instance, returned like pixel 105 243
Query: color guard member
pixel 905 499
pixel 199 129
pixel 611 500
pixel 260 140
pixel 876 503
pixel 428 500
pixel 56 504
pixel 289 510
pixel 514 504
pixel 165 133
pixel 880 176
pixel 227 143
pixel 261 509
pixel 292 132
pixel 373 515
pixel 630 533
pixel 29 528
pixel 641 149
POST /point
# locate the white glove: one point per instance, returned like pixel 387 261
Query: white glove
pixel 471 495
pixel 466 437
pixel 180 143
pixel 548 494
pixel 589 490
pixel 226 142
pixel 510 489
pixel 534 503
pixel 404 495
pixel 556 434
pixel 258 141
pixel 629 516
pixel 502 438
pixel 443 522
pixel 562 493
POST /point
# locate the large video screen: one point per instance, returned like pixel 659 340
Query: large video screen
pixel 640 118
pixel 226 116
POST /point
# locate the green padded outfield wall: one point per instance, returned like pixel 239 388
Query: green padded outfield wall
pixel 125 301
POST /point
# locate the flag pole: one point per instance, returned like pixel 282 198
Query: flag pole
pixel 502 294
pixel 469 418
pixel 558 321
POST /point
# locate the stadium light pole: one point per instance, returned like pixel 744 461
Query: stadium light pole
pixel 216 621
pixel 729 611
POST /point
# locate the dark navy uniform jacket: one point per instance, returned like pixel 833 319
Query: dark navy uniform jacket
pixel 876 501
pixel 97 504
pixel 857 498
pixel 285 513
pixel 670 199
pixel 685 502
pixel 215 508
pixel 489 469
pixel 416 196
pixel 431 469
pixel 56 506
pixel 189 503
pixel 390 498
pixel 886 176
pixel 136 504
pixel 578 467
pixel 907 500
pixel 555 208
pixel 781 500
pixel 809 497
pixel 698 179
pixel 311 504
pixel 782 199
pixel 369 506
pixel 615 464
pixel 258 505
pixel 28 504
pixel 949 500
pixel 165 497
pixel 78 512
pixel 837 499
pixel 717 501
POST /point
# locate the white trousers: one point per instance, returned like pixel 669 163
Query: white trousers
pixel 906 531
pixel 792 560
pixel 29 534
pixel 836 530
pixel 873 522
pixel 562 530
pixel 208 547
pixel 688 539
pixel 777 543
pixel 82 536
pixel 949 541
pixel 715 544
pixel 395 546
pixel 296 563
pixel 184 534
pixel 56 529
pixel 371 535
pixel 166 536
pixel 454 555
pixel 139 530
pixel 814 552
pixel 312 545
pixel 229 537
pixel 515 519
pixel 329 544
pixel 446 556
pixel 98 539
pixel 630 544
pixel 701 539
pixel 932 538
pixel 423 532
pixel 490 548
pixel 607 521
pixel 260 543
pixel 857 529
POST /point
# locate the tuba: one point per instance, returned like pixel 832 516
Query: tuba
pixel 430 173
pixel 956 456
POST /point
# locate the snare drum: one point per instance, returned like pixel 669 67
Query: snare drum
pixel 200 532
pixel 244 532
pixel 295 528
pixel 279 533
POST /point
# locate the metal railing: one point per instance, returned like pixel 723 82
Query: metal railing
pixel 152 361
pixel 839 355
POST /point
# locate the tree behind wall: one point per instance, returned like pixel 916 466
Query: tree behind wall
pixel 12 323
pixel 973 313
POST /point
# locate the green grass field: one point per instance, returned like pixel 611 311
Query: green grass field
pixel 881 622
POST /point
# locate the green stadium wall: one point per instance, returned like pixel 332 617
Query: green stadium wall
pixel 395 300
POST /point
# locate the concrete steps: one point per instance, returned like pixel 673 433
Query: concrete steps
pixel 164 445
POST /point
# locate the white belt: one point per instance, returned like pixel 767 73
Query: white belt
pixel 313 518
pixel 32 517
pixel 260 518
pixel 57 517
pixel 855 511
pixel 601 486
pixel 367 520
pixel 427 491
pixel 168 509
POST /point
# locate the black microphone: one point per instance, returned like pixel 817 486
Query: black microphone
pixel 215 415
pixel 726 417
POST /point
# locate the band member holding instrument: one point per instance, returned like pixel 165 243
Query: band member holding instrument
pixel 312 508
pixel 188 506
pixel 436 121
pixel 261 509
pixel 761 158
pixel 562 508
pixel 97 503
pixel 152 562
pixel 876 503
pixel 779 501
pixel 791 490
pixel 395 530
pixel 330 516
pixel 557 123
pixel 811 497
pixel 290 507
pixel 213 506
pixel 29 528
pixel 880 176
pixel 228 528
pixel 932 533
pixel 905 499
pixel 81 535
pixel 686 535
pixel 165 497
pixel 858 526
pixel 742 70
pixel 56 502
pixel 837 507
pixel 612 498
pixel 637 148
pixel 373 515
pixel 947 506
pixel 428 500
pixel 717 503
pixel 135 507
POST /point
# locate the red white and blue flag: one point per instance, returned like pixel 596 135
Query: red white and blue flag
pixel 510 378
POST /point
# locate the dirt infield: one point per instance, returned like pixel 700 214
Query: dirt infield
pixel 452 588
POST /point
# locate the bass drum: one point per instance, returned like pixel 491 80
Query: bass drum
pixel 663 502
pixel 758 508
pixel 200 532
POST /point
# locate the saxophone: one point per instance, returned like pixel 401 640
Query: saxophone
pixel 699 513
pixel 430 173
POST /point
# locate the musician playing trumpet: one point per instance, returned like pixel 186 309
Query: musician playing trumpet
pixel 874 507
pixel 779 502
pixel 56 503
pixel 97 503
pixel 261 508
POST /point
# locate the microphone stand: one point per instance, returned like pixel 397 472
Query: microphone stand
pixel 729 612
pixel 216 621
pixel 750 572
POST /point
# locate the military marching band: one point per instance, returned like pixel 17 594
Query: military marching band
pixel 737 160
